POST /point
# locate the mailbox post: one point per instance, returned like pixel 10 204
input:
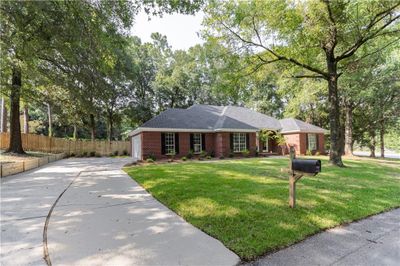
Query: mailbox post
pixel 292 179
pixel 297 169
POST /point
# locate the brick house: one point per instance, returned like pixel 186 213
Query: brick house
pixel 220 131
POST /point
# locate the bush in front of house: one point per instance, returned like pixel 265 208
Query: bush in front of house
pixel 190 154
pixel 72 154
pixel 151 156
pixel 231 154
pixel 208 157
pixel 246 153
pixel 221 157
pixel 84 154
pixel 212 153
pixel 308 153
pixel 317 153
pixel 149 160
pixel 125 152
pixel 115 153
pixel 184 158
pixel 97 154
pixel 92 154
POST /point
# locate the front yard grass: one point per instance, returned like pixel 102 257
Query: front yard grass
pixel 244 203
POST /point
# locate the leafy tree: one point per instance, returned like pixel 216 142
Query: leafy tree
pixel 314 37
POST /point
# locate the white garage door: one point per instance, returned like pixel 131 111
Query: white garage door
pixel 137 147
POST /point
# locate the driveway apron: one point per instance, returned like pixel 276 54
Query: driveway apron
pixel 103 218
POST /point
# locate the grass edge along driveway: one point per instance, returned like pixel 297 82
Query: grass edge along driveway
pixel 244 203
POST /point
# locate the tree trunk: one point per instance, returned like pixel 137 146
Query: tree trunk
pixel 15 123
pixel 3 124
pixel 372 144
pixel 74 133
pixel 348 135
pixel 92 127
pixel 26 119
pixel 49 116
pixel 382 138
pixel 335 154
pixel 110 127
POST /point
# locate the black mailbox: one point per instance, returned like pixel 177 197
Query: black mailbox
pixel 306 166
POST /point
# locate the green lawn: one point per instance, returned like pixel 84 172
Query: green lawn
pixel 244 203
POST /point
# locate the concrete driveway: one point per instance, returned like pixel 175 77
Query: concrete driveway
pixel 103 218
pixel 372 241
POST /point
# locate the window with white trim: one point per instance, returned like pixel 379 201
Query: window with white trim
pixel 312 142
pixel 169 143
pixel 197 145
pixel 239 142
pixel 265 146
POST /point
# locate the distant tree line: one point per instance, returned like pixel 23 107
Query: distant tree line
pixel 70 69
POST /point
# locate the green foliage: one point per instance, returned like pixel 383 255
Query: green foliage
pixel 246 153
pixel 92 154
pixel 184 158
pixel 190 154
pixel 150 160
pixel 208 157
pixel 151 156
pixel 308 153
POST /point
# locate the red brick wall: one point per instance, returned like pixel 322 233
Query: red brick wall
pixel 299 141
pixel 151 144
pixel 221 144
pixel 293 140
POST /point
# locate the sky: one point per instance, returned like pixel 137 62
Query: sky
pixel 181 30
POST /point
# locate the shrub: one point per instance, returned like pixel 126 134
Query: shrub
pixel 92 154
pixel 84 154
pixel 221 157
pixel 184 158
pixel 151 156
pixel 231 154
pixel 208 157
pixel 97 154
pixel 125 152
pixel 318 153
pixel 308 152
pixel 72 154
pixel 212 153
pixel 256 153
pixel 115 153
pixel 203 154
pixel 190 154
pixel 246 153
pixel 149 160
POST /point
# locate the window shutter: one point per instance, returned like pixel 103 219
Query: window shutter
pixel 163 143
pixel 203 142
pixel 248 141
pixel 176 143
pixel 191 143
pixel 231 141
pixel 306 142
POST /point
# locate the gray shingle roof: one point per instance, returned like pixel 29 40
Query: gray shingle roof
pixel 211 117
pixel 295 125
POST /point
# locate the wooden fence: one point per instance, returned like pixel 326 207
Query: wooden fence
pixel 32 142
pixel 7 169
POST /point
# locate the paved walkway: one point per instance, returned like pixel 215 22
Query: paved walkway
pixel 372 241
pixel 103 218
